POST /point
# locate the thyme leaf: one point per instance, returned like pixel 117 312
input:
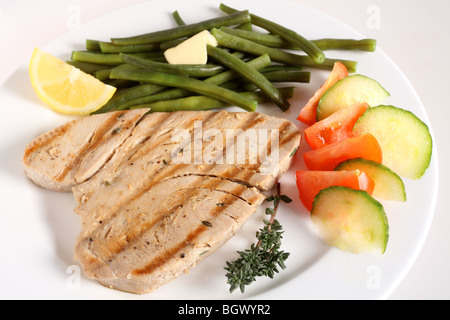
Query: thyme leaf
pixel 263 258
pixel 293 152
pixel 207 223
pixel 116 130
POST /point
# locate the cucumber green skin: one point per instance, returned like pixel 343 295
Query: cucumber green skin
pixel 399 147
pixel 348 91
pixel 333 204
pixel 388 184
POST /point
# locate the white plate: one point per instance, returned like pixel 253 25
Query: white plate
pixel 38 227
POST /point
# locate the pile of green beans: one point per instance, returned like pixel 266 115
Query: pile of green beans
pixel 245 69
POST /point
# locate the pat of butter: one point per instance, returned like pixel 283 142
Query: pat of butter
pixel 192 50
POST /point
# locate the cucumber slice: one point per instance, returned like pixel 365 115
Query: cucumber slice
pixel 348 91
pixel 350 220
pixel 388 184
pixel 404 139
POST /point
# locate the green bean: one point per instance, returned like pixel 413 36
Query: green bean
pixel 206 103
pixel 248 26
pixel 287 92
pixel 268 40
pixel 256 64
pixel 186 30
pixel 280 67
pixel 121 84
pixel 287 75
pixel 111 59
pixel 174 42
pixel 176 93
pixel 250 74
pixel 168 94
pixel 87 67
pixel 192 103
pixel 108 47
pixel 237 43
pixel 329 63
pixel 130 94
pixel 178 19
pixel 287 34
pixel 198 86
pixel 199 70
pixel 368 45
pixel 290 76
pixel 104 74
pixel 170 44
pixel 273 76
pixel 92 45
pixel 273 41
pixel 237 85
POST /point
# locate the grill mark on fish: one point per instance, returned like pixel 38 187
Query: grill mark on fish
pixel 164 257
pixel 138 149
pixel 228 177
pixel 148 147
pixel 141 142
pixel 149 182
pixel 287 138
pixel 191 141
pixel 250 122
pixel 250 202
pixel 282 133
pixel 98 137
pixel 282 139
pixel 115 247
pixel 208 122
pixel 253 120
pixel 168 254
pixel 45 140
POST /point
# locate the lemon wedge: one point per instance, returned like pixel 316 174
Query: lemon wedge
pixel 64 88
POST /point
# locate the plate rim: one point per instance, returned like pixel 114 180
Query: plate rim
pixel 434 160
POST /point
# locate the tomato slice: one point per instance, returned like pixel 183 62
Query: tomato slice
pixel 309 183
pixel 336 127
pixel 327 158
pixel 308 113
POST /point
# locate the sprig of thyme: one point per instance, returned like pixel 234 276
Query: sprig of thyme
pixel 264 257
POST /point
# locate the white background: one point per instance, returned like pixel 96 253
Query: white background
pixel 415 34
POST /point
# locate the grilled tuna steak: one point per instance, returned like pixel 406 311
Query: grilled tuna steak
pixel 72 153
pixel 159 192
